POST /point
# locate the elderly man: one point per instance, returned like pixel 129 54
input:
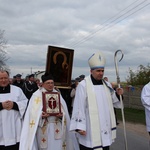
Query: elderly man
pixel 43 130
pixel 93 113
pixel 13 103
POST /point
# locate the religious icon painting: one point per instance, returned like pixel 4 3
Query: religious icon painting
pixel 51 103
pixel 59 64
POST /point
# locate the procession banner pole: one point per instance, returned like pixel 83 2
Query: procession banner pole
pixel 122 107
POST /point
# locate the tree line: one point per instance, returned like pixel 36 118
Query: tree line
pixel 139 77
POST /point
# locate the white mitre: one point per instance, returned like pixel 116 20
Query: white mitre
pixel 97 60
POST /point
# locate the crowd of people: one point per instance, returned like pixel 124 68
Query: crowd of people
pixel 24 123
pixel 34 115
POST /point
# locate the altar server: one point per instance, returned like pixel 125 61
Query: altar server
pixel 13 103
pixel 145 97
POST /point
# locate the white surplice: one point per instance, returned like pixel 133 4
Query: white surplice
pixel 31 137
pixel 11 120
pixel 80 117
pixel 145 98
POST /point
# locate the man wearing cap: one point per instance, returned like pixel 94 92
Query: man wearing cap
pixel 93 113
pixel 73 90
pixel 82 77
pixel 42 131
pixel 13 103
pixel 30 86
pixel 18 82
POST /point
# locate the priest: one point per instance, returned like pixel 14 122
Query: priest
pixel 43 130
pixel 13 103
pixel 93 111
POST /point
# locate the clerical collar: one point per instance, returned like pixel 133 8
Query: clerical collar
pixel 96 82
pixel 5 89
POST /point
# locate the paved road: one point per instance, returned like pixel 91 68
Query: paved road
pixel 135 141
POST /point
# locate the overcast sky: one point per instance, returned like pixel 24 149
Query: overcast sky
pixel 87 26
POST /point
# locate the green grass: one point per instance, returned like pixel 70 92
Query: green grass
pixel 132 115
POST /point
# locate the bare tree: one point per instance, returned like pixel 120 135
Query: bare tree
pixel 3 57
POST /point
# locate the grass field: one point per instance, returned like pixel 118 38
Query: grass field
pixel 132 115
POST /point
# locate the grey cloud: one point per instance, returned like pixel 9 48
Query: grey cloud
pixel 80 25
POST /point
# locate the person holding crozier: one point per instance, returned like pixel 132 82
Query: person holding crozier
pixel 93 115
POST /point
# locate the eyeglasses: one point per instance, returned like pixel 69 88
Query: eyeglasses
pixel 48 83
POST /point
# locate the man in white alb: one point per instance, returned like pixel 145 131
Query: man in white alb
pixel 13 104
pixel 145 97
pixel 42 131
pixel 93 111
